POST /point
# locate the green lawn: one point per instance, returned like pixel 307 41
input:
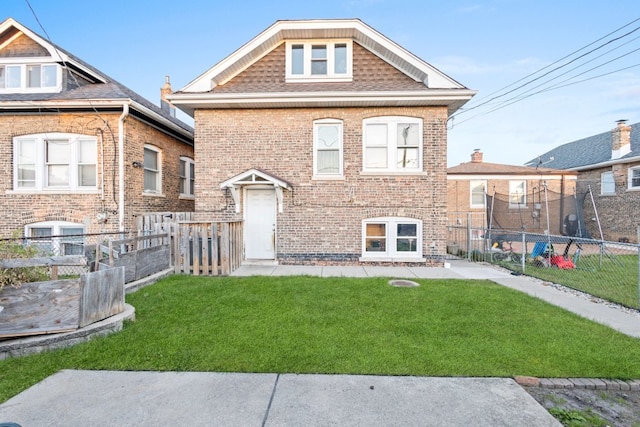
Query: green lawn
pixel 612 277
pixel 338 325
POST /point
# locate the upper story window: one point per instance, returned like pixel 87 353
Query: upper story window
pixel 152 170
pixel 30 77
pixel 54 161
pixel 327 148
pixel 187 177
pixel 478 190
pixel 517 193
pixel 392 144
pixel 634 178
pixel 322 60
pixel 607 183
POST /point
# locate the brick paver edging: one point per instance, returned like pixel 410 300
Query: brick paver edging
pixel 584 383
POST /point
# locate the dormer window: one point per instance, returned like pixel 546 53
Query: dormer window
pixel 30 77
pixel 322 60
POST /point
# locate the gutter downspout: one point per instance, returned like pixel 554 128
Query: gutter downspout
pixel 123 116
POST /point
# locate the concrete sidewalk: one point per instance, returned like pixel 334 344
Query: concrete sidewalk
pixel 625 321
pixel 102 398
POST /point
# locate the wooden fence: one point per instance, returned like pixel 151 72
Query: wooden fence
pixel 141 256
pixel 59 305
pixel 207 248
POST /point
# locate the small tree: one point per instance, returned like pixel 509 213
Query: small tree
pixel 12 249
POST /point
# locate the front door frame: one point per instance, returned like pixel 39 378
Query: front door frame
pixel 245 195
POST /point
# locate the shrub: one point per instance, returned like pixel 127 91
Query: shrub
pixel 12 249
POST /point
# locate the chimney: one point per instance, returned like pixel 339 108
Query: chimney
pixel 476 156
pixel 165 105
pixel 620 140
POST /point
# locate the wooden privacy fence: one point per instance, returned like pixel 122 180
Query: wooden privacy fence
pixel 207 248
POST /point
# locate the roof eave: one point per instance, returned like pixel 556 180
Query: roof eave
pixel 452 98
pixel 607 163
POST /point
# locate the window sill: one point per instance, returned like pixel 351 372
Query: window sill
pixel 320 79
pixel 153 194
pixel 52 192
pixel 633 189
pixel 186 197
pixel 397 173
pixel 391 259
pixel 328 177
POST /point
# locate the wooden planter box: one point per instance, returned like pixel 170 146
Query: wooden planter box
pixel 61 305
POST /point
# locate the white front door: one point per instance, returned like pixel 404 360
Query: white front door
pixel 260 224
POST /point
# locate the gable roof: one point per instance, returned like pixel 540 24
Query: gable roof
pixel 593 150
pixel 435 88
pixel 483 168
pixel 101 91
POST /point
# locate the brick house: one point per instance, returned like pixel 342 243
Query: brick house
pixel 608 167
pixel 329 141
pixel 80 152
pixel 518 196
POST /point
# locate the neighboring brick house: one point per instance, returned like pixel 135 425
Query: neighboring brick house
pixel 608 166
pixel 519 196
pixel 329 140
pixel 79 152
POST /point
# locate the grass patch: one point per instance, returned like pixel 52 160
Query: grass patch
pixel 346 326
pixel 612 277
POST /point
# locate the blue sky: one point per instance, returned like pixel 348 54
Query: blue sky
pixel 485 45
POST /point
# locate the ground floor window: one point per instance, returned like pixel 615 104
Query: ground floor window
pixel 392 237
pixel 56 237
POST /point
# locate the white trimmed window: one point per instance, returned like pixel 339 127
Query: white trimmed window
pixel 327 148
pixel 517 193
pixel 56 237
pixel 391 238
pixel 478 189
pixel 607 183
pixel 187 177
pixel 634 178
pixel 29 77
pixel 54 161
pixel 152 170
pixel 321 60
pixel 392 144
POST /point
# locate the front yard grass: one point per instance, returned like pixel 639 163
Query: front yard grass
pixel 342 326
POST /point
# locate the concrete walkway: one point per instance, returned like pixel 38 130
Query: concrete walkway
pixel 627 322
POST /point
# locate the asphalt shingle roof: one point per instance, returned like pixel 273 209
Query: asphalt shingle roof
pixel 587 151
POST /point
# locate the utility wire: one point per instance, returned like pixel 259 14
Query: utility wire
pixel 554 69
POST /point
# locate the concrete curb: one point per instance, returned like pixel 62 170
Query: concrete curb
pixel 579 383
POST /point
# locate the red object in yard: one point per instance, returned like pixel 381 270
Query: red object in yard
pixel 562 262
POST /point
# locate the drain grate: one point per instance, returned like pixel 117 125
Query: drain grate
pixel 400 283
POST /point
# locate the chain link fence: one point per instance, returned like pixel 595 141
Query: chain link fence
pixel 608 270
pixel 68 244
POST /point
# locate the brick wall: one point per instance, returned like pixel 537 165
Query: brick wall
pixel 618 213
pixel 321 220
pixel 20 209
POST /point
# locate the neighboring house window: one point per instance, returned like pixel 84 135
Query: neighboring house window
pixel 152 169
pixel 187 177
pixel 392 144
pixel 517 193
pixel 607 183
pixel 634 178
pixel 56 237
pixel 31 77
pixel 55 161
pixel 327 151
pixel 478 190
pixel 325 60
pixel 392 237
